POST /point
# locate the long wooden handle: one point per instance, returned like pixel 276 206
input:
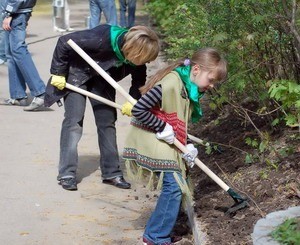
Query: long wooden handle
pixel 204 168
pixel 103 73
pixel 93 96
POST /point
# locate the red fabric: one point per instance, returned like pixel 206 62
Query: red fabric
pixel 179 126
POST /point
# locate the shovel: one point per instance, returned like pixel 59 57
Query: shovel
pixel 240 202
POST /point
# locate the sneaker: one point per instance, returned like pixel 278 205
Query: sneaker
pixel 69 184
pixel 17 102
pixel 2 62
pixel 36 103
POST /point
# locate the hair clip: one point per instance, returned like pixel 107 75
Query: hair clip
pixel 187 62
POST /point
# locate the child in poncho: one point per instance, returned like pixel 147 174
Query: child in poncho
pixel 169 100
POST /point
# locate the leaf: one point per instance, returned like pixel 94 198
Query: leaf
pixel 290 119
pixel 275 122
pixel 219 37
pixel 248 141
pixel 248 159
pixel 262 146
pixel 208 150
pixel 258 18
pixel 213 105
pixel 293 87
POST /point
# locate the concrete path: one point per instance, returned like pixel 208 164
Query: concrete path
pixel 34 208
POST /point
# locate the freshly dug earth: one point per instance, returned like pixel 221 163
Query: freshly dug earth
pixel 268 187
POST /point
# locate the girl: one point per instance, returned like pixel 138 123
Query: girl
pixel 118 51
pixel 168 100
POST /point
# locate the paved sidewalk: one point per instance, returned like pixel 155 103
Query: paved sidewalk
pixel 34 208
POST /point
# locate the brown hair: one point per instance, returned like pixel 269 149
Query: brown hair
pixel 207 58
pixel 141 44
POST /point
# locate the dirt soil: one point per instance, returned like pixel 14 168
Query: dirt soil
pixel 268 187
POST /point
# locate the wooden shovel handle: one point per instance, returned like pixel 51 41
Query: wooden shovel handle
pixel 103 73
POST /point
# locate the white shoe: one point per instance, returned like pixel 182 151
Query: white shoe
pixel 36 103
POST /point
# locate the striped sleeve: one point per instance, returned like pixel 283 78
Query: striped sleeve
pixel 141 109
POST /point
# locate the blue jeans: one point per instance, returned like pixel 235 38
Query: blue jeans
pixel 72 126
pixel 108 7
pixel 163 219
pixel 21 69
pixel 131 4
pixel 2 41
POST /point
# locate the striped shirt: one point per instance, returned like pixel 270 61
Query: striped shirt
pixel 141 109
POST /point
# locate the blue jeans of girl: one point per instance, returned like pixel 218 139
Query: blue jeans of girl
pixel 163 218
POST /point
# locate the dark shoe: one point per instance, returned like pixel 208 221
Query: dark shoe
pixel 69 184
pixel 175 239
pixel 118 181
pixel 146 242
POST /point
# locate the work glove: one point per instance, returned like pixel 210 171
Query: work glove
pixel 126 109
pixel 191 155
pixel 167 134
pixel 58 82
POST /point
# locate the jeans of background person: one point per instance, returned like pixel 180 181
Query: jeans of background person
pixel 108 7
pixel 21 69
pixel 72 126
pixel 129 5
pixel 163 218
pixel 61 15
pixel 2 42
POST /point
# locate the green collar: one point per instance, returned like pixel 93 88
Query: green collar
pixel 192 90
pixel 115 33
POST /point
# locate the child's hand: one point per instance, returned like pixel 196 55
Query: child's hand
pixel 191 155
pixel 167 134
pixel 58 81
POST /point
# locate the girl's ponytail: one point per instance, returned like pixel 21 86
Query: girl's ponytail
pixel 159 75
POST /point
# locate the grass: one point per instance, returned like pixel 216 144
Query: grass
pixel 288 233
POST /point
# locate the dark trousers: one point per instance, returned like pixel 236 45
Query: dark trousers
pixel 72 126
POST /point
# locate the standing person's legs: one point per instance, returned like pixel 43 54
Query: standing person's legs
pixel 163 218
pixel 105 118
pixel 109 11
pixel 71 133
pixel 123 7
pixel 2 47
pixel 95 13
pixel 17 86
pixel 2 43
pixel 20 65
pixel 131 12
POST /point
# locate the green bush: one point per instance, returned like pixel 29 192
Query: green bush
pixel 256 38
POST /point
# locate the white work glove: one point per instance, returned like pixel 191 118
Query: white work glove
pixel 191 155
pixel 167 134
